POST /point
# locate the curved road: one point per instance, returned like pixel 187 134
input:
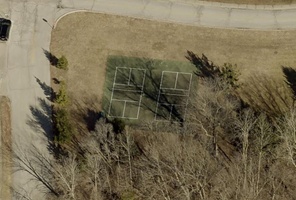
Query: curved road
pixel 200 14
pixel 24 69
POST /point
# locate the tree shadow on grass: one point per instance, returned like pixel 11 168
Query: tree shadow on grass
pixel 91 117
pixel 51 58
pixel 290 76
pixel 86 113
pixel 264 93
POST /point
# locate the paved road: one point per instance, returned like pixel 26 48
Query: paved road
pixel 22 59
pixel 199 14
pixel 23 62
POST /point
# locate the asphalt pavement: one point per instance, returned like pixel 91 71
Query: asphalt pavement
pixel 205 14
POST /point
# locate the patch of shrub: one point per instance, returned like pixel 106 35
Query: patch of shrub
pixel 230 75
pixel 62 126
pixel 118 125
pixel 62 63
pixel 207 69
pixel 61 97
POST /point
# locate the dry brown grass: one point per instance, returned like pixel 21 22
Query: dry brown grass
pixel 86 39
pixel 5 121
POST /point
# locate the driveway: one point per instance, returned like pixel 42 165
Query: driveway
pixel 24 68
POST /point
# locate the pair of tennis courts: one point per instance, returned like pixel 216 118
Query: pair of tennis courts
pixel 169 98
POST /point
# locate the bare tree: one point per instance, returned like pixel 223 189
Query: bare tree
pixel 212 108
pixel 287 129
pixel 180 167
pixel 174 161
pixel 35 163
pixel 66 175
pixel 247 123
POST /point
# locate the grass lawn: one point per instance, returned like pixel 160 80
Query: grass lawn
pixel 88 40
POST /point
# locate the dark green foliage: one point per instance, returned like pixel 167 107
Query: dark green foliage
pixel 118 125
pixel 290 75
pixel 61 97
pixel 230 75
pixel 207 69
pixel 62 126
pixel 62 63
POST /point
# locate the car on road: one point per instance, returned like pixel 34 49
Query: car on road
pixel 5 25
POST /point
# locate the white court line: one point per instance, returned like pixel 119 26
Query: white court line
pixel 122 117
pixel 123 90
pixel 124 108
pixel 129 76
pixel 189 82
pixel 159 92
pixel 185 110
pixel 139 107
pixel 176 80
pixel 176 89
pixel 120 100
pixel 174 72
pixel 126 90
pixel 123 112
pixel 122 72
pixel 144 73
pixel 171 91
pixel 163 72
pixel 172 94
pixel 124 84
pixel 171 110
pixel 130 68
pixel 112 91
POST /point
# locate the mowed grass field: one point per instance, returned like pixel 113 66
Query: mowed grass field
pixel 88 39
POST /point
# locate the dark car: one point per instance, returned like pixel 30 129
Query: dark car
pixel 5 25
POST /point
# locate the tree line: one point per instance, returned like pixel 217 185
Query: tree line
pixel 226 149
